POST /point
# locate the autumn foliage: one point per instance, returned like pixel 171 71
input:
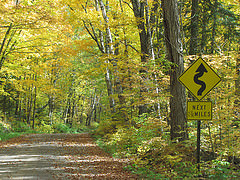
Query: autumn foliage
pixel 66 65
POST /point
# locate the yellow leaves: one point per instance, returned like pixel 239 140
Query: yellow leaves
pixel 173 159
pixel 36 49
pixel 67 51
pixel 83 45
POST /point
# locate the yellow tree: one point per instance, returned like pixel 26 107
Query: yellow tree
pixel 32 40
pixel 103 27
pixel 124 50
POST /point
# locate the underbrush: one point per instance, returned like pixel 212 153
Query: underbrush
pixel 5 136
pixel 154 156
pixel 15 129
pixel 8 131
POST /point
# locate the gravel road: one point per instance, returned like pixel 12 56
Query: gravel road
pixel 58 156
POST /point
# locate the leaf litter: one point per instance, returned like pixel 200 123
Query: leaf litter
pixel 59 156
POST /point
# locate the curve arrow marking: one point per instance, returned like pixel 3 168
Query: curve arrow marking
pixel 200 71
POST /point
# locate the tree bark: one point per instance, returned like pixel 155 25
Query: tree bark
pixel 237 87
pixel 91 108
pixel 204 29
pixel 174 54
pixel 214 14
pixel 51 108
pixel 2 52
pixel 108 49
pixel 193 49
pixel 138 9
pixel 34 104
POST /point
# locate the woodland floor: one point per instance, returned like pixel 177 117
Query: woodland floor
pixel 58 156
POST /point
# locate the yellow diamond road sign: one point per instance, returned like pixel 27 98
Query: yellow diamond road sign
pixel 199 79
pixel 199 110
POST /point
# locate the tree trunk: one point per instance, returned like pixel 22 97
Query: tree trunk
pixel 109 41
pixel 34 104
pixel 2 52
pixel 17 104
pixel 174 54
pixel 193 50
pixel 237 87
pixel 138 9
pixel 20 109
pixel 204 23
pixel 214 14
pixel 82 105
pixel 30 108
pixel 51 107
pixel 91 108
pixel 108 49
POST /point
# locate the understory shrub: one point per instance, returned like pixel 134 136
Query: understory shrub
pixel 4 127
pixel 171 160
pixel 15 129
pixel 45 128
pixel 126 140
pixel 61 128
pixel 20 127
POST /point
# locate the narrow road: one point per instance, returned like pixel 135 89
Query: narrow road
pixel 58 156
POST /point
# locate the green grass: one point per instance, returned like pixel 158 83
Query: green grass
pixel 4 136
pixel 9 135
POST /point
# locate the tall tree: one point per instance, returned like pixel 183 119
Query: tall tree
pixel 145 35
pixel 204 23
pixel 193 49
pixel 214 25
pixel 174 54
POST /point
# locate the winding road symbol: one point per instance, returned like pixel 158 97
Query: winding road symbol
pixel 200 71
pixel 199 79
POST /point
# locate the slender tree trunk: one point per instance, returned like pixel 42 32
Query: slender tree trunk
pixel 73 106
pixel 174 54
pixel 31 102
pixel 51 106
pixel 193 50
pixel 65 116
pixel 108 49
pixel 17 105
pixel 91 108
pixel 149 21
pixel 204 30
pixel 2 52
pixel 20 109
pixel 34 105
pixel 214 25
pixel 28 97
pixel 109 40
pixel 237 87
pixel 138 9
pixel 82 105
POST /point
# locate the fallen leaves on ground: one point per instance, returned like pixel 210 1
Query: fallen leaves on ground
pixel 82 158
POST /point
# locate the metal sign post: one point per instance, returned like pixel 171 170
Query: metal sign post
pixel 199 79
pixel 198 143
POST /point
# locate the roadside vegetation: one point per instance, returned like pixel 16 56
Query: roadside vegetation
pixel 8 131
pixel 154 156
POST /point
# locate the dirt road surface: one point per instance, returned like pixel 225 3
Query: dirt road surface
pixel 58 156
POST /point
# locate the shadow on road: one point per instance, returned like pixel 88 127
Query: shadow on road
pixel 58 156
